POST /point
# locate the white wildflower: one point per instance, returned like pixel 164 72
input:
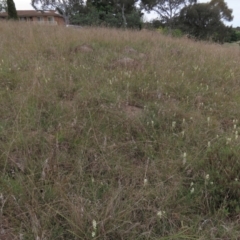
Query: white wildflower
pixel 93 234
pixel 145 181
pixel 94 224
pixel 161 214
pixel 228 140
pixel 208 121
pixel 236 135
pixel 184 158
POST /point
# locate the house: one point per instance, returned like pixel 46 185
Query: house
pixel 42 17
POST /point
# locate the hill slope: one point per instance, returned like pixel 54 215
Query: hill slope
pixel 112 134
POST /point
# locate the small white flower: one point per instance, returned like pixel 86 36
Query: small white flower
pixel 173 124
pixel 192 183
pixel 228 140
pixel 207 177
pixel 192 190
pixel 161 214
pixel 183 121
pixel 208 120
pixel 236 135
pixel 145 182
pixel 93 234
pixel 209 144
pixel 236 179
pixel 184 158
pixel 235 126
pixel 94 224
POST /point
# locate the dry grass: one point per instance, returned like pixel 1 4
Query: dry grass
pixel 141 151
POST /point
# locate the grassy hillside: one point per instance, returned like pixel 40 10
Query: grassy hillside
pixel 109 134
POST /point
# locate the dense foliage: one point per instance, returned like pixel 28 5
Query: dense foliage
pixel 3 5
pixel 199 20
pixel 204 21
pixel 11 9
pixel 93 16
pixel 108 13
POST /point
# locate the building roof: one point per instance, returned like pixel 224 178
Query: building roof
pixel 32 13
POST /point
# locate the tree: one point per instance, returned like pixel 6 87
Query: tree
pixel 93 17
pixel 115 7
pixel 224 11
pixel 204 20
pixel 65 7
pixel 167 10
pixel 110 13
pixel 3 6
pixel 11 9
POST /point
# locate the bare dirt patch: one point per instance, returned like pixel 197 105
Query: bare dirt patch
pixel 124 62
pixel 83 49
pixel 132 111
pixel 130 50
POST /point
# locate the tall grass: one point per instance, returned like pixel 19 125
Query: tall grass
pixel 91 148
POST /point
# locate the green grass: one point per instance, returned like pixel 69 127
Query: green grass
pixel 148 149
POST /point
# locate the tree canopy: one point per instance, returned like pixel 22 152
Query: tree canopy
pixel 3 6
pixel 112 13
pixel 65 7
pixel 205 20
pixel 167 10
pixel 94 12
pixel 11 9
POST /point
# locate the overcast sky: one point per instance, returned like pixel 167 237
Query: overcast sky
pixel 233 4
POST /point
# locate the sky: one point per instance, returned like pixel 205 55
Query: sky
pixel 233 4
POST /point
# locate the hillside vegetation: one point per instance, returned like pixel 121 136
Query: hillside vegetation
pixel 112 134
